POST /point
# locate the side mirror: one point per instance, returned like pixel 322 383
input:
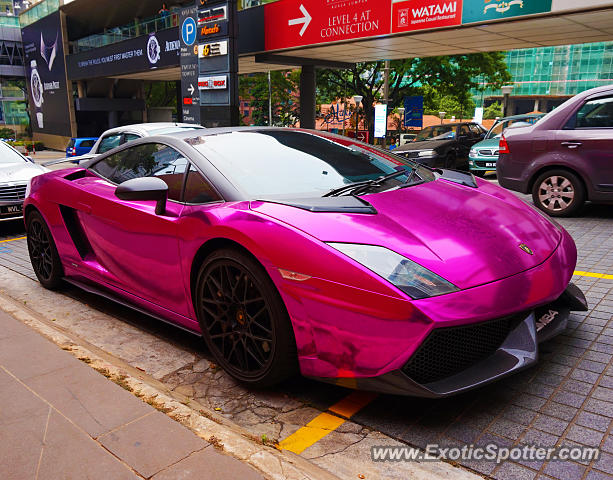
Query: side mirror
pixel 144 188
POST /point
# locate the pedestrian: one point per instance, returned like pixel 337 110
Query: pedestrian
pixel 164 10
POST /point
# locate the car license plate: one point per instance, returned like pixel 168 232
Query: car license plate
pixel 490 164
pixel 11 210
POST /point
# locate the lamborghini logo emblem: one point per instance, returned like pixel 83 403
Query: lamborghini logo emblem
pixel 526 248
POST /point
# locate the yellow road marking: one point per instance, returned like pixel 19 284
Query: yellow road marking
pixel 12 239
pixel 326 423
pixel 594 275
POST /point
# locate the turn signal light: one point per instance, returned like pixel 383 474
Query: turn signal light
pixel 288 275
pixel 503 146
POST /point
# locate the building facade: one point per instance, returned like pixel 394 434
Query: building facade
pixel 545 77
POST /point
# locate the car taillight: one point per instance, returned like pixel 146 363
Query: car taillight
pixel 503 146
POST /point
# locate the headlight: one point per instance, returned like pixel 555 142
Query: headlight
pixel 28 187
pixel 413 279
pixel 426 153
pixel 473 152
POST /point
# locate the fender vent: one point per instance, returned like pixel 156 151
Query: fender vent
pixel 75 230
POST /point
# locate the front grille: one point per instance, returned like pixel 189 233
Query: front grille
pixel 488 153
pixel 12 192
pixel 450 350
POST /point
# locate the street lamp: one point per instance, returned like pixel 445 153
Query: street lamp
pixel 442 116
pixel 506 91
pixel 357 99
pixel 401 112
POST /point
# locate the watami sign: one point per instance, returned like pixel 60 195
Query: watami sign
pixel 420 14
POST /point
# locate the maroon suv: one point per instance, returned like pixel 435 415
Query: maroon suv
pixel 566 157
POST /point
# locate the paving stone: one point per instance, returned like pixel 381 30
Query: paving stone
pixel 563 412
pixel 591 420
pixel 602 393
pixel 585 435
pixel 598 406
pixel 585 375
pixel 569 398
pixel 87 459
pixel 608 444
pixel 134 443
pixel 564 470
pixel 576 386
pixel 208 464
pixel 551 425
pixel 604 463
pixel 506 428
pixel 512 470
pixel 536 437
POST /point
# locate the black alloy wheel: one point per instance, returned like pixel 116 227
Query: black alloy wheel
pixel 44 257
pixel 243 319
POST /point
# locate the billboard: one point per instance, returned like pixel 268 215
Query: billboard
pixel 148 52
pixel 48 97
pixel 487 10
pixel 422 14
pixel 414 111
pixel 190 97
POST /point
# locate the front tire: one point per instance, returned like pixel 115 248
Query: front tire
pixel 243 319
pixel 559 193
pixel 44 257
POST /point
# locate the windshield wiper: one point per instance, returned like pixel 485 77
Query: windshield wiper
pixel 358 186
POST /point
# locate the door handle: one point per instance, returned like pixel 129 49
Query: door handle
pixel 572 144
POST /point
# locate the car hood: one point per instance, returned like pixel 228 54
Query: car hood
pixel 19 172
pixel 469 236
pixel 424 145
pixel 489 143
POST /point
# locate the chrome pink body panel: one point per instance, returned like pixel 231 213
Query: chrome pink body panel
pixel 348 322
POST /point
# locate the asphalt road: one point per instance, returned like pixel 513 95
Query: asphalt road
pixel 567 399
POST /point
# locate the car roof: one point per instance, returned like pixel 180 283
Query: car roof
pixel 519 117
pixel 453 124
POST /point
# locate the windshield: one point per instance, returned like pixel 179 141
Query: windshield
pixel 9 155
pixel 438 132
pixel 291 164
pixel 501 125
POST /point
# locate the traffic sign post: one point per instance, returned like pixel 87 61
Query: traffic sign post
pixel 190 99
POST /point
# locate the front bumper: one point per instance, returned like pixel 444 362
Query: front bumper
pixel 442 365
pixel 11 210
pixel 478 163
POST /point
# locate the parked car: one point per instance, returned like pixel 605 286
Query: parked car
pixel 80 146
pixel 445 146
pixel 405 138
pixel 119 135
pixel 566 158
pixel 484 155
pixel 290 250
pixel 15 171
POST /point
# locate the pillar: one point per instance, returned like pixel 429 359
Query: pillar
pixel 308 103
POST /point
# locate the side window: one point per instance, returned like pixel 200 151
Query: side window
pixel 464 131
pixel 197 189
pixel 146 160
pixel 476 131
pixel 128 137
pixel 109 142
pixel 87 143
pixel 597 113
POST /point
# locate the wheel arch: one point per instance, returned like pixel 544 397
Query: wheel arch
pixel 204 251
pixel 546 168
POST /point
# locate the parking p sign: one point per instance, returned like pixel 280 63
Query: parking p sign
pixel 188 31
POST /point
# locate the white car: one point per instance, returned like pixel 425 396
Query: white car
pixel 119 135
pixel 15 173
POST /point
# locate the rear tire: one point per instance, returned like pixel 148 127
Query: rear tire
pixel 559 193
pixel 44 257
pixel 450 161
pixel 243 319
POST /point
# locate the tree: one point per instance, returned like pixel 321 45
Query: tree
pixel 452 75
pixel 285 103
pixel 492 111
pixel 460 105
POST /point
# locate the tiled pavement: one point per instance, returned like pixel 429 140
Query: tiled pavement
pixel 567 399
pixel 61 419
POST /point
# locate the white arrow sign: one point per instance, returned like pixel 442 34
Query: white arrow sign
pixel 191 89
pixel 306 20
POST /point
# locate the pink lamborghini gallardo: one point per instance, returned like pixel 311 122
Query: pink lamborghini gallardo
pixel 294 250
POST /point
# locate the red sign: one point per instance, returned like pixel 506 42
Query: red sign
pixel 293 23
pixel 421 14
pixel 187 101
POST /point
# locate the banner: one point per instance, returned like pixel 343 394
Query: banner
pixel 414 111
pixel 46 76
pixel 487 10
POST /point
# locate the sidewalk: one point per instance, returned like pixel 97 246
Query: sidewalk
pixel 60 418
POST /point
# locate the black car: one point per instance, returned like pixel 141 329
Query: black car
pixel 446 145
